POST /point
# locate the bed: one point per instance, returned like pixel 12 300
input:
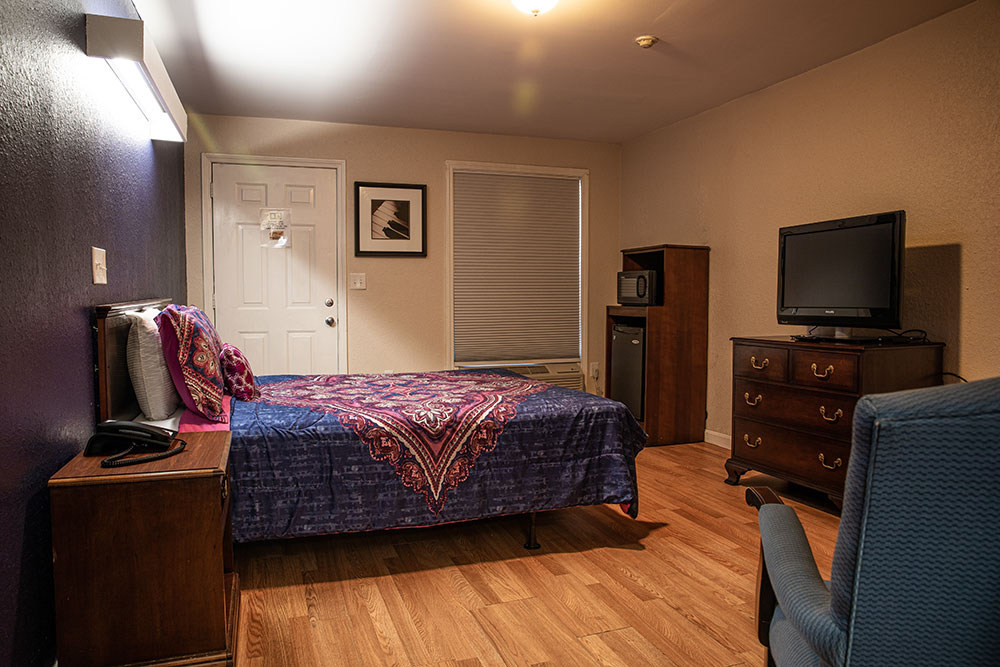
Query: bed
pixel 345 453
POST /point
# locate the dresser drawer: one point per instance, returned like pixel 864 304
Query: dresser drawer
pixel 824 414
pixel 765 363
pixel 816 461
pixel 828 370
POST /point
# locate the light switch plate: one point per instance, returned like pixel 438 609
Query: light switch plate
pixel 357 281
pixel 595 369
pixel 99 265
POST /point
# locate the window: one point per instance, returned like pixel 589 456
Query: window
pixel 517 244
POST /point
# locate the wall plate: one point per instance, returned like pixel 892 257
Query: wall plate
pixel 99 265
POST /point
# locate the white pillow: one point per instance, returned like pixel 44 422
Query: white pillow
pixel 146 366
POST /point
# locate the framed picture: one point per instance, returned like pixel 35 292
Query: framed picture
pixel 390 219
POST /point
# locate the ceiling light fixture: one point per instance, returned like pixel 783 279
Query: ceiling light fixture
pixel 127 46
pixel 535 7
pixel 646 41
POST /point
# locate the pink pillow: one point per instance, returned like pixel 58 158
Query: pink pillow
pixel 237 373
pixel 191 348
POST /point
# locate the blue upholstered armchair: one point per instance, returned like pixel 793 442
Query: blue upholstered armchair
pixel 916 568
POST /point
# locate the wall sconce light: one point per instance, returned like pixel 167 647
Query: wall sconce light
pixel 131 54
pixel 535 7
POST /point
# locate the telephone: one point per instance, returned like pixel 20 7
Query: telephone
pixel 117 439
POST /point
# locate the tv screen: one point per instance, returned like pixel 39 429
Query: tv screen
pixel 842 273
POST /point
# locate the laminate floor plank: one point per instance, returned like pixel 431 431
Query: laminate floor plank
pixel 624 648
pixel 674 587
pixel 570 601
pixel 525 633
pixel 421 578
pixel 668 630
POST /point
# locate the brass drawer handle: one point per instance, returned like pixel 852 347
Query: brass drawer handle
pixel 756 443
pixel 756 400
pixel 763 364
pixel 224 488
pixel 836 463
pixel 825 374
pixel 836 415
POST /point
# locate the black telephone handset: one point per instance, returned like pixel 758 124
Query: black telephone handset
pixel 117 439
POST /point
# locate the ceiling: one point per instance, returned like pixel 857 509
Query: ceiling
pixel 483 66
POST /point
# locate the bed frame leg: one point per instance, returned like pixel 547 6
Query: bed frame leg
pixel 532 543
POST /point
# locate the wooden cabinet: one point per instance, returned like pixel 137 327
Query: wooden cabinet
pixel 143 559
pixel 793 402
pixel 676 335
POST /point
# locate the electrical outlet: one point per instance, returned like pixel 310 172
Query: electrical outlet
pixel 358 281
pixel 99 265
pixel 595 369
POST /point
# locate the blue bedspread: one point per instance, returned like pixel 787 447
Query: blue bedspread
pixel 295 471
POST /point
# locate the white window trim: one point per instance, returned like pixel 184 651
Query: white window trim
pixel 208 238
pixel 451 166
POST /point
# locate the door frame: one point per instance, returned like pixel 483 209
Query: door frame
pixel 208 161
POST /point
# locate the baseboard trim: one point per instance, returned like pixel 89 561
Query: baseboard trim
pixel 718 439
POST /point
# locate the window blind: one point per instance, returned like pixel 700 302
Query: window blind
pixel 516 246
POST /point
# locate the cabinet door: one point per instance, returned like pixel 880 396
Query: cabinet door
pixel 138 570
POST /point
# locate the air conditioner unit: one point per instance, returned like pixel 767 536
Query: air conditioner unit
pixel 565 375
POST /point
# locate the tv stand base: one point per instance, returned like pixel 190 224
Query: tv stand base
pixel 859 340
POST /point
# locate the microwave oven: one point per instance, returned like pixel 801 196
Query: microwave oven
pixel 637 288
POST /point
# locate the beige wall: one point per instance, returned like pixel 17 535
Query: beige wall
pixel 399 322
pixel 912 122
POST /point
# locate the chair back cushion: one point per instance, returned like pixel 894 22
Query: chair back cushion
pixel 914 577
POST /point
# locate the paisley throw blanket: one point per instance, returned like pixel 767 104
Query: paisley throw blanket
pixel 335 454
pixel 431 427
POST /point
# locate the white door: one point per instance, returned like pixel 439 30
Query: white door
pixel 278 305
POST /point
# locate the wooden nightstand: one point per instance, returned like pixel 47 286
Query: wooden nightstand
pixel 143 559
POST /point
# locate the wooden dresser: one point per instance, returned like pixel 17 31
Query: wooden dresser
pixel 793 402
pixel 143 559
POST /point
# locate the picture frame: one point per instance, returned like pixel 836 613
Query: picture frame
pixel 390 219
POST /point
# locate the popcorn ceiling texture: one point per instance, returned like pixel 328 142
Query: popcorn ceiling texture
pixel 76 170
pixel 909 123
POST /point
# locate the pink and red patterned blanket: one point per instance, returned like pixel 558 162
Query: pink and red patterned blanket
pixel 431 427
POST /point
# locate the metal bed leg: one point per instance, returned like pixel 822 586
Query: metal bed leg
pixel 532 543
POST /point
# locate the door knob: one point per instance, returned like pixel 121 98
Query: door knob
pixel 329 303
pixel 330 322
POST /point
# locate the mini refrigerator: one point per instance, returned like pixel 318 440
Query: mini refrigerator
pixel 628 364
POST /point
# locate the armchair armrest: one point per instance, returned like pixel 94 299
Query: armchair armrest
pixel 762 495
pixel 758 496
pixel 796 582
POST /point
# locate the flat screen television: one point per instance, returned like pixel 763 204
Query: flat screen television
pixel 842 273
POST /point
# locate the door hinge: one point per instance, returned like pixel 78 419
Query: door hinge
pixel 211 190
pixel 213 301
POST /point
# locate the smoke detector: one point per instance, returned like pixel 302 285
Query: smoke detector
pixel 646 41
pixel 534 7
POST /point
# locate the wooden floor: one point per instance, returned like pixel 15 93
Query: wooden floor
pixel 675 587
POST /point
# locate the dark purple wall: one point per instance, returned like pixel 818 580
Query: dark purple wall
pixel 75 171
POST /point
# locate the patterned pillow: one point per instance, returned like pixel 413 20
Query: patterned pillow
pixel 191 348
pixel 237 373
